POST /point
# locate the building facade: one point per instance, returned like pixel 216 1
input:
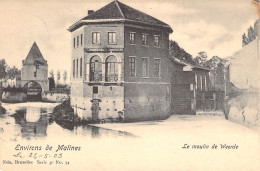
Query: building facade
pixel 120 65
pixel 34 74
pixel 245 63
pixel 191 89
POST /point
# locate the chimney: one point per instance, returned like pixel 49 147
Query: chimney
pixel 90 12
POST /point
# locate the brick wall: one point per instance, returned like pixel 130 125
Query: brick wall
pixel 146 101
pixel 150 51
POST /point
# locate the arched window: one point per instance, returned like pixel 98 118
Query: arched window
pixel 111 69
pixel 95 69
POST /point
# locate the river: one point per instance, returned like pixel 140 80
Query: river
pixel 33 121
pixel 153 145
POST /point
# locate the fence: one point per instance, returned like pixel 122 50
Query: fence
pixel 210 100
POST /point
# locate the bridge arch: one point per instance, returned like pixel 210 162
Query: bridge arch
pixel 33 90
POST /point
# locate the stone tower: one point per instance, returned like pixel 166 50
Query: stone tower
pixel 35 69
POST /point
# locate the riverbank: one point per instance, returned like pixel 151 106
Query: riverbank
pixel 244 109
pixel 2 110
pixel 64 114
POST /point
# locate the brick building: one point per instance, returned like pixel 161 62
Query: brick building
pixel 192 90
pixel 120 65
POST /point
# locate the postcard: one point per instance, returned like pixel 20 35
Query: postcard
pixel 129 85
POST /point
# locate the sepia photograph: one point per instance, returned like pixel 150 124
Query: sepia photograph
pixel 129 85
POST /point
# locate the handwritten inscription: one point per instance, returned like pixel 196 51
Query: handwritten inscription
pixel 40 155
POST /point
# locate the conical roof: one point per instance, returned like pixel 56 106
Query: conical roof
pixel 34 56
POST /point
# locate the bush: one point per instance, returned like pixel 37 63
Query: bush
pixel 64 114
pixel 2 110
pixel 14 89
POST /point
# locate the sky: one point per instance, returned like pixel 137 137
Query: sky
pixel 213 26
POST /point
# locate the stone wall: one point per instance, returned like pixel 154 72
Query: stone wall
pixel 244 109
pixel 54 97
pixel 110 101
pixel 41 76
pixel 14 97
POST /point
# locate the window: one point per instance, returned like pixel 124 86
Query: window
pixel 111 69
pixel 95 90
pixel 145 68
pixel 156 41
pixel 132 38
pixel 77 69
pixel 35 73
pixel 191 87
pixel 156 67
pixel 74 42
pixel 95 69
pixel 96 38
pixel 132 66
pixel 111 37
pixel 206 87
pixel 81 39
pixel 80 67
pixel 144 39
pixel 196 82
pixel 200 82
pixel 74 68
pixel 77 41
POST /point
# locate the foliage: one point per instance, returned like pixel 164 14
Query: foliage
pixel 176 51
pixel 3 67
pixel 2 110
pixel 51 74
pixel 244 40
pixel 13 89
pixel 13 73
pixel 65 75
pixel 58 75
pixel 51 83
pixel 252 33
pixel 215 62
pixel 201 58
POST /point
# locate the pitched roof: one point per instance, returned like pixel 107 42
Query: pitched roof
pixel 34 56
pixel 178 61
pixel 117 11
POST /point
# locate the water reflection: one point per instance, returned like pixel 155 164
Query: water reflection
pixel 35 121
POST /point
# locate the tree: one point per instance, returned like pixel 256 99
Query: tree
pixel 13 73
pixel 201 58
pixel 65 75
pixel 51 83
pixel 256 27
pixel 213 62
pixel 3 67
pixel 251 34
pixel 176 51
pixel 51 74
pixel 244 40
pixel 58 75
